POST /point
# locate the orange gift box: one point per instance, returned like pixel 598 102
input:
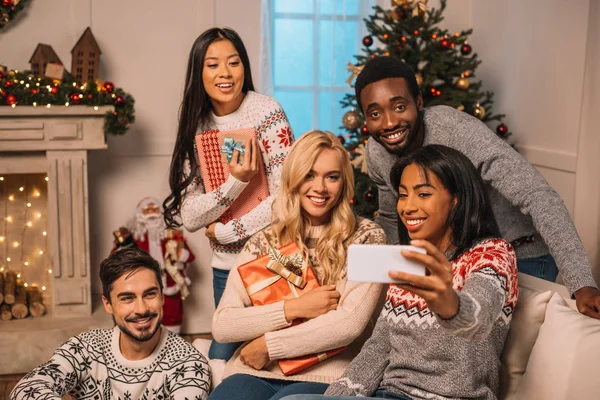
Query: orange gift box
pixel 215 171
pixel 270 279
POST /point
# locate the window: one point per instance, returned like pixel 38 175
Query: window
pixel 91 63
pixel 92 54
pixel 36 68
pixel 79 74
pixel 312 42
pixel 80 54
pixel 90 75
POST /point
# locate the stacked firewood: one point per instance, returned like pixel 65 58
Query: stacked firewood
pixel 18 301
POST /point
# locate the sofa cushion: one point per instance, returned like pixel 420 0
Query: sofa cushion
pixel 564 360
pixel 526 321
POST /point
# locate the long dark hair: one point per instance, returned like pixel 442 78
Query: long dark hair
pixel 472 219
pixel 194 111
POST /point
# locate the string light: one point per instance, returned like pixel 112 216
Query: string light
pixel 2 269
pixel 39 215
pixel 46 178
pixel 8 259
pixel 37 194
pixel 43 287
pixel 95 108
pixel 26 263
pixel 25 284
pixel 41 252
pixel 49 271
pixel 15 244
pixel 9 219
pixel 18 275
pixel 2 238
pixel 44 233
pixel 21 189
pixel 1 178
pixel 11 197
pixel 48 105
pixel 28 204
pixel 29 224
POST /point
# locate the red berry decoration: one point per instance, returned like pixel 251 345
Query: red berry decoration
pixel 445 43
pixel 341 139
pixel 74 98
pixel 11 99
pixel 364 130
pixel 501 130
pixel 367 41
pixel 119 101
pixel 466 49
pixel 8 84
pixel 109 86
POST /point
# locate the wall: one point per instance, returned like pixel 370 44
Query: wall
pixel 145 45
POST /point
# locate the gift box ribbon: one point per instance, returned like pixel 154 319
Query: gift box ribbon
pixel 286 267
pixel 229 145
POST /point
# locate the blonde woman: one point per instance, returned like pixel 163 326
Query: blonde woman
pixel 313 210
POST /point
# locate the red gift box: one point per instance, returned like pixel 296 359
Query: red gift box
pixel 272 278
pixel 215 171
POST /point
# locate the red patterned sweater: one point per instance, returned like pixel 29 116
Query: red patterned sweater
pixel 199 208
pixel 414 352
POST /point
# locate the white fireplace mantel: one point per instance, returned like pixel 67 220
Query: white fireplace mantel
pixel 55 141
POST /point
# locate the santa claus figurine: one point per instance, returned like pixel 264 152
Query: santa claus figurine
pixel 169 248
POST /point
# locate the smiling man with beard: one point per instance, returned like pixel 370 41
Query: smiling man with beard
pixel 137 359
pixel 530 214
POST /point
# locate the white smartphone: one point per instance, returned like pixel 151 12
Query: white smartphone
pixel 371 262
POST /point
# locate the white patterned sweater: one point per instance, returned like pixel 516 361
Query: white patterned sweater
pixel 91 366
pixel 415 353
pixel 199 209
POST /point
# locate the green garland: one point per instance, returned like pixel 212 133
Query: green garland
pixel 22 88
pixel 9 9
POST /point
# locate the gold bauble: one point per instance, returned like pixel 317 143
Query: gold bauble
pixel 479 111
pixel 419 78
pixel 352 120
pixel 463 83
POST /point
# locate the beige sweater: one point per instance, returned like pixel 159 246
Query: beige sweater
pixel 237 320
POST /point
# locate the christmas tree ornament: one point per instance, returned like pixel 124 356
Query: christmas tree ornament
pixel 352 120
pixel 460 108
pixel 463 83
pixel 109 86
pixel 74 98
pixel 367 41
pixel 54 90
pixel 341 139
pixel 354 71
pixel 369 195
pixel 364 130
pixel 11 99
pixel 119 101
pixel 466 49
pixel 479 111
pixel 401 3
pixel 360 160
pixel 501 130
pixel 419 8
pixel 419 78
pixel 445 43
pixel 6 3
pixel 8 83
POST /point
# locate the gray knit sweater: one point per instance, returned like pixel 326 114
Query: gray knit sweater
pixel 523 202
pixel 416 353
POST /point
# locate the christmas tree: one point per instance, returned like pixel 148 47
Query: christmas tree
pixel 444 64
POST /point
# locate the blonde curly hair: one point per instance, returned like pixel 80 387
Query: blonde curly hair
pixel 289 223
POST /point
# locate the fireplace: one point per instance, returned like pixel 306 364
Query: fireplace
pixel 50 144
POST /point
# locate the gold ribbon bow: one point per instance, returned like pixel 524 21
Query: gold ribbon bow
pixel 288 267
pixel 354 71
pixel 360 161
pixel 419 8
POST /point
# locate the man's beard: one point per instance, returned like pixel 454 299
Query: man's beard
pixel 410 138
pixel 146 334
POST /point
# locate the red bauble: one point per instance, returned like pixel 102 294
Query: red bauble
pixel 367 41
pixel 466 49
pixel 119 101
pixel 34 91
pixel 502 130
pixel 90 95
pixel 7 3
pixel 8 83
pixel 54 90
pixel 74 98
pixel 364 130
pixel 109 86
pixel 341 139
pixel 445 43
pixel 11 99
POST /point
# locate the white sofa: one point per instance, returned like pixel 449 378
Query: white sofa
pixel 551 353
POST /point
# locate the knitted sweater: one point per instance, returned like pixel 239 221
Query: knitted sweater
pixel 91 366
pixel 416 353
pixel 523 202
pixel 199 209
pixel 237 320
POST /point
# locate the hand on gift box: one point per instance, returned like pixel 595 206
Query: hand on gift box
pixel 256 353
pixel 312 304
pixel 249 166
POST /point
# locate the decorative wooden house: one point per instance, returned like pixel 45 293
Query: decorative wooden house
pixel 85 58
pixel 42 56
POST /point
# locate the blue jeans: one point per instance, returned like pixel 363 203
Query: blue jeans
pixel 221 351
pixel 248 387
pixel 380 394
pixel 543 267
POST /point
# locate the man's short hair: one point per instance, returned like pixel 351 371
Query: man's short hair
pixel 126 261
pixel 385 67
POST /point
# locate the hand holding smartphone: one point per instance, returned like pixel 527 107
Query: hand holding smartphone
pixel 371 263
